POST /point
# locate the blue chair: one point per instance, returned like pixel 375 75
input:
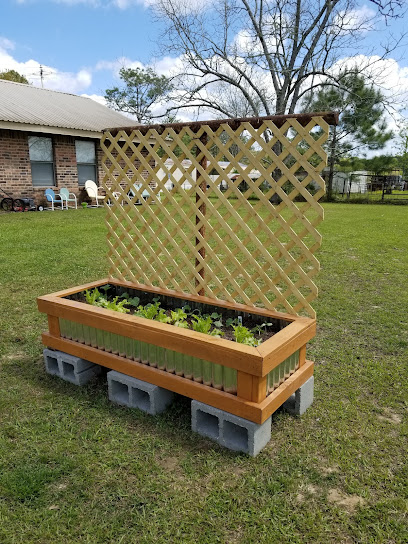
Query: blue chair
pixel 68 197
pixel 52 197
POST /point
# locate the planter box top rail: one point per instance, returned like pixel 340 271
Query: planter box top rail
pixel 224 209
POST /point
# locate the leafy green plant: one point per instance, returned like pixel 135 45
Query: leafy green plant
pixel 116 305
pixel 162 316
pixel 204 324
pixel 149 311
pixel 178 318
pixel 259 329
pixel 231 321
pixel 91 297
pixel 243 335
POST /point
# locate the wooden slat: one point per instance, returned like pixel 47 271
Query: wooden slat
pixel 258 389
pixel 302 355
pixel 244 385
pixel 78 288
pixel 53 325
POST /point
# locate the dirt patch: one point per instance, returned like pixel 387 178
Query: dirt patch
pixel 326 471
pixel 390 417
pixel 172 466
pixel 349 502
pixel 307 489
pixel 234 537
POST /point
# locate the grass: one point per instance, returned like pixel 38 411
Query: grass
pixel 75 468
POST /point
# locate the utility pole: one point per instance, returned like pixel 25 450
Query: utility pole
pixel 42 76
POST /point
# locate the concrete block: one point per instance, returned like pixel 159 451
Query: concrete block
pixel 299 402
pixel 232 432
pixel 69 368
pixel 134 393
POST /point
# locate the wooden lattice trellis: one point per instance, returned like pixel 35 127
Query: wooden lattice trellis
pixel 232 208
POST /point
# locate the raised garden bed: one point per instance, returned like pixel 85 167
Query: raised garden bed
pixel 251 382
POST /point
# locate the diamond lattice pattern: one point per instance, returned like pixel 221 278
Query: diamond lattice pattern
pixel 230 213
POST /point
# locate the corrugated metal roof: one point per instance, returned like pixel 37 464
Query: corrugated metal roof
pixel 27 104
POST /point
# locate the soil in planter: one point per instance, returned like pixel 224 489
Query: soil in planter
pixel 168 304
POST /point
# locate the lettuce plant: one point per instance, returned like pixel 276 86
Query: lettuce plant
pixel 243 335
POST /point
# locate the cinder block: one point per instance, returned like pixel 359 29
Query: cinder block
pixel 134 393
pixel 69 368
pixel 232 432
pixel 299 402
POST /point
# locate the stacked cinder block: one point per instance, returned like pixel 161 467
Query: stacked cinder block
pixel 232 432
pixel 135 393
pixel 69 368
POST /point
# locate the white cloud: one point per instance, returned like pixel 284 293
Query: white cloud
pixel 361 19
pixel 6 44
pixel 115 65
pixel 96 97
pixel 54 79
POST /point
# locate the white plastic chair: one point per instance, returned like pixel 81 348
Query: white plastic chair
pixel 68 197
pixel 92 190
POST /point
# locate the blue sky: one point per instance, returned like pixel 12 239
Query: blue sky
pixel 82 43
pixel 81 40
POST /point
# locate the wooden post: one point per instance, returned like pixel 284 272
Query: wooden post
pixel 202 209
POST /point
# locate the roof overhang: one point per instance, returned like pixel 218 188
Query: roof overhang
pixel 27 127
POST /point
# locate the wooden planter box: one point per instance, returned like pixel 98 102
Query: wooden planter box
pixel 243 380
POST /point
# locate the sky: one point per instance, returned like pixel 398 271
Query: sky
pixel 81 44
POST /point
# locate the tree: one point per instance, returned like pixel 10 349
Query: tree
pixel 142 90
pixel 12 75
pixel 402 149
pixel 362 125
pixel 271 52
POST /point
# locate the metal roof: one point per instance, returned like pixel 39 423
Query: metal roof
pixel 31 105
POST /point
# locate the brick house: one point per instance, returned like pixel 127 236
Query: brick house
pixel 50 139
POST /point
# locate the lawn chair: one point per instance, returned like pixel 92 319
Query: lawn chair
pixel 53 198
pixel 92 190
pixel 145 194
pixel 66 196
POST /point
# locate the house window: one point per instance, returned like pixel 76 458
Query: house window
pixel 86 161
pixel 42 161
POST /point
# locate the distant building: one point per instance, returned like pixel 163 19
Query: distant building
pixel 50 139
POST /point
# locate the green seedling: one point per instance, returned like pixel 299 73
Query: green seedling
pixel 105 288
pixel 232 321
pixel 91 297
pixel 134 302
pixel 116 305
pixel 243 335
pixel 178 318
pixel 204 324
pixel 259 329
pixel 162 316
pixel 149 311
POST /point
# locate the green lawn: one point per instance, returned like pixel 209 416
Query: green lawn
pixel 75 468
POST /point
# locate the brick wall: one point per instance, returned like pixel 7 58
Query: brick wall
pixel 15 167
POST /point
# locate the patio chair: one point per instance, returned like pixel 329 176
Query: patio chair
pixel 145 194
pixel 53 198
pixel 92 190
pixel 68 197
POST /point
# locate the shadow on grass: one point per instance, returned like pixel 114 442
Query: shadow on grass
pixel 174 425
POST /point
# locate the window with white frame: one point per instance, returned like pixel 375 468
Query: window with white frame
pixel 86 161
pixel 42 161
